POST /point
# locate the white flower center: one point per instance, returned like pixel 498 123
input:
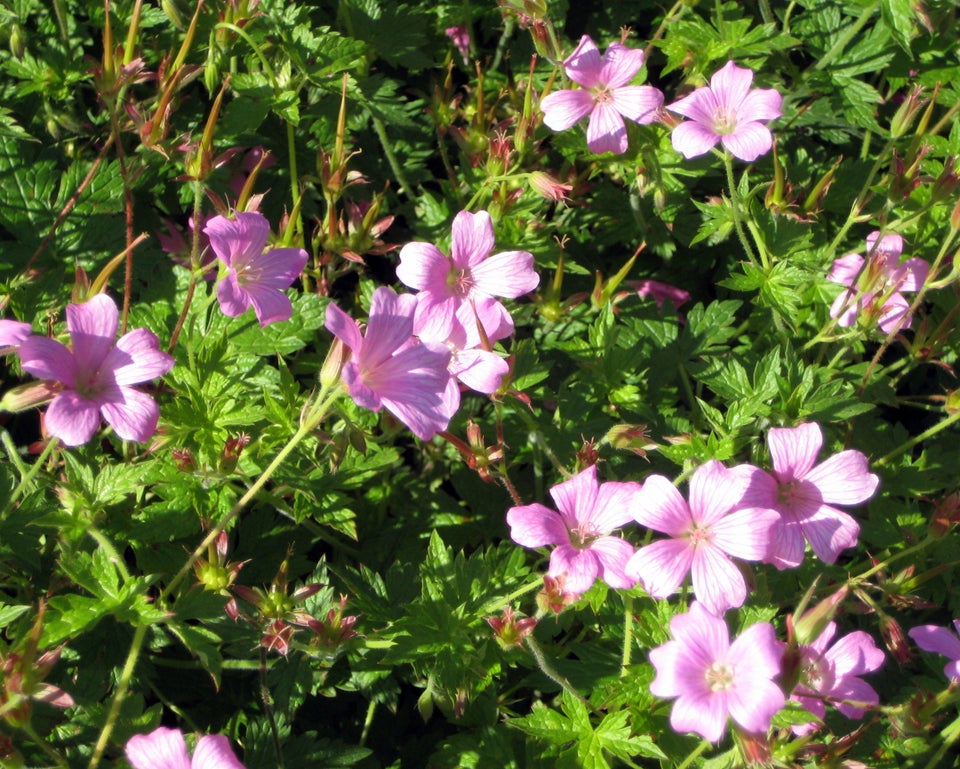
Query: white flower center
pixel 724 122
pixel 719 677
pixel 460 282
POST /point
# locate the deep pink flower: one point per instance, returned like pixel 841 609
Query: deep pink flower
pixel 833 675
pixel 13 332
pixel 727 111
pixel 255 277
pixel 804 495
pixel 96 374
pixel 460 37
pixel 468 274
pixel 605 96
pixel 660 292
pixel 713 679
pixel 165 749
pixel 876 285
pixel 388 368
pixel 703 535
pixel 589 512
pixel 939 640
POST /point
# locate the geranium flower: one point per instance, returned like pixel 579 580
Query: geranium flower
pixel 704 534
pixel 713 679
pixel 605 97
pixel 468 274
pixel 479 369
pixel 939 640
pixel 833 675
pixel 165 749
pixel 589 512
pixel 876 285
pixel 804 495
pixel 96 374
pixel 255 277
pixel 726 111
pixel 390 369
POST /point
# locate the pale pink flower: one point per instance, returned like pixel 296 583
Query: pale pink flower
pixel 96 374
pixel 166 749
pixel 12 333
pixel 589 512
pixel 876 285
pixel 832 675
pixel 460 37
pixel 704 534
pixel 713 679
pixel 388 368
pixel 478 368
pixel 805 495
pixel 939 640
pixel 468 274
pixel 605 96
pixel 727 111
pixel 255 277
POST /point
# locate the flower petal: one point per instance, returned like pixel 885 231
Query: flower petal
pixel 703 713
pixel 939 640
pixel 714 491
pixel 389 325
pixel 617 503
pixel 843 479
pixel 829 531
pixel 753 705
pixel 613 554
pixel 661 508
pixel 693 139
pixel 583 65
pixel 213 751
pixel 72 418
pixel 730 85
pixel 423 267
pixel 536 526
pixel 760 104
pixel 620 65
pixel 746 534
pixel 576 497
pixel 234 300
pixel 640 103
pixel 239 240
pixel 717 582
pixel 137 358
pixel 472 239
pixel 854 690
pixel 581 567
pixel 13 332
pixel 793 450
pixel 133 415
pixel 846 269
pixel 508 274
pixel 606 131
pixel 271 305
pixel 855 654
pixel 343 327
pixel 661 566
pixel 564 109
pixel 161 749
pixel 48 359
pixel 748 141
pixel 93 328
pixel 480 370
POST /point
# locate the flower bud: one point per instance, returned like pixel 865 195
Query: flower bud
pixel 333 364
pixel 811 625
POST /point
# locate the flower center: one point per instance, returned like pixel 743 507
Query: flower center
pixel 699 536
pixel 460 282
pixel 719 677
pixel 813 674
pixel 583 536
pixel 601 95
pixel 89 385
pixel 787 493
pixel 724 123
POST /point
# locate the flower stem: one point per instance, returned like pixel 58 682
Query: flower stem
pixel 909 444
pixel 735 205
pixel 395 167
pixel 268 708
pixel 27 479
pixel 367 722
pixel 689 760
pixel 846 37
pixel 627 634
pixel 550 672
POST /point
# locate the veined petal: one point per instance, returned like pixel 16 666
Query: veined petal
pixel 692 139
pixel 271 305
pixel 888 248
pixel 829 531
pixel 72 418
pixel 435 316
pixel 576 497
pixel 234 300
pixel 133 415
pixel 756 652
pixel 488 312
pixel 239 240
pixel 137 358
pixel 714 491
pixel 667 660
pixel 472 239
pixel 843 479
pixel 48 359
pixel 661 566
pixel 583 65
pixel 746 534
pixel 613 554
pixel 661 508
pixel 787 544
pixel 701 106
pixel 536 526
pixel 793 450
pixel 852 689
pixel 936 639
pixel 895 314
pixel 640 103
pixel 620 65
pixel 704 713
pixel 423 267
pixel 480 370
pixel 749 141
pixel 846 269
pixel 912 274
pixel 213 751
pixel 731 84
pixel 161 749
pixel 617 503
pixel 753 706
pixel 93 329
pixel 564 109
pixel 275 269
pixel 389 325
pixel 508 274
pixel 581 567
pixel 343 327
pixel 426 415
pixel 13 332
pixel 717 582
pixel 855 654
pixel 606 131
pixel 760 104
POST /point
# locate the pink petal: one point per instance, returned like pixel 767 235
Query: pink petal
pixel 161 749
pixel 423 267
pixel 13 332
pixel 701 106
pixel 213 751
pixel 137 358
pixel 435 316
pixel 564 109
pixel 48 359
pixel 576 497
pixel 620 65
pixel 617 503
pixel 661 566
pixel 133 415
pixel 583 65
pixel 425 415
pixel 343 327
pixel 72 418
pixel 760 104
pixel 606 131
pixel 271 305
pixel 661 508
pixel 693 139
pixel 846 269
pixel 787 544
pixel 793 450
pixel 730 85
pixel 888 247
pixel 277 268
pixel 360 393
pixel 939 640
pixel 536 526
pixel 613 554
pixel 844 479
pixel 508 274
pixel 829 531
pixel 714 491
pixel 93 328
pixel 704 713
pixel 895 314
pixel 472 239
pixel 581 567
pixel 753 706
pixel 239 240
pixel 717 582
pixel 640 103
pixel 911 275
pixel 854 654
pixel 749 141
pixel 668 660
pixel 756 653
pixel 479 370
pixel 491 314
pixel 234 300
pixel 746 534
pixel 389 325
pixel 854 690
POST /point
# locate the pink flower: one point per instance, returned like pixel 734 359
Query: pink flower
pixel 875 285
pixel 704 534
pixel 460 37
pixel 389 368
pixel 833 675
pixel 660 292
pixel 713 679
pixel 96 374
pixel 727 112
pixel 255 277
pixel 469 274
pixel 804 495
pixel 165 749
pixel 588 513
pixel 13 332
pixel 605 97
pixel 939 640
pixel 478 368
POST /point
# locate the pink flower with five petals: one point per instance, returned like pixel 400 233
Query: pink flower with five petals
pixel 604 96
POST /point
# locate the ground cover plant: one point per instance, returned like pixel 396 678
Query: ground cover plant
pixel 479 384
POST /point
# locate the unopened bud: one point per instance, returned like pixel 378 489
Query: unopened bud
pixel 28 396
pixel 811 625
pixel 895 639
pixel 907 112
pixel 509 630
pixel 333 365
